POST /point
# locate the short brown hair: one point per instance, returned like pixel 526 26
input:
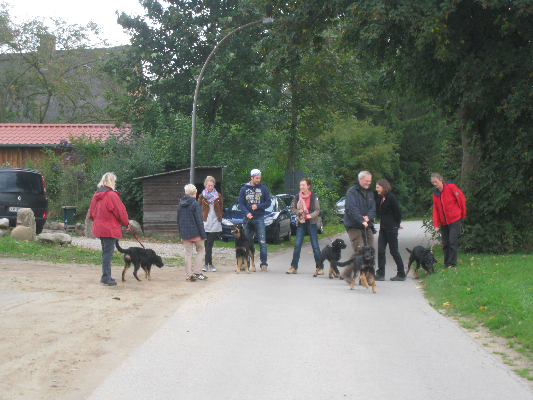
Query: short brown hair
pixel 308 181
pixel 385 185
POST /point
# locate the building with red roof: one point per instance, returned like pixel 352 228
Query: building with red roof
pixel 22 142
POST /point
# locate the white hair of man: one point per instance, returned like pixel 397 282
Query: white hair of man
pixel 108 179
pixel 190 189
pixel 363 174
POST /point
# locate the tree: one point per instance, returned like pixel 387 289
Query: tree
pixel 473 58
pixel 45 68
pixel 169 47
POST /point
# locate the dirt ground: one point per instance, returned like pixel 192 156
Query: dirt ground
pixel 62 332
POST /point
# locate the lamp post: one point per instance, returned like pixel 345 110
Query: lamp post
pixel 193 132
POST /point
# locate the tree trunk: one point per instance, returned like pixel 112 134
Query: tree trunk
pixel 473 134
pixel 293 130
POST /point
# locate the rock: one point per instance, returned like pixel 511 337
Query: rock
pixel 64 239
pixel 60 226
pixel 54 226
pixel 88 227
pixel 135 228
pixel 55 238
pixel 4 223
pixel 25 217
pixel 4 232
pixel 22 232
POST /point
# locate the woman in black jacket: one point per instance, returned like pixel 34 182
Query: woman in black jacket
pixel 391 218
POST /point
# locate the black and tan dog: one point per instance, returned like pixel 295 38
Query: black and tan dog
pixel 244 250
pixel 364 264
pixel 332 253
pixel 421 256
pixel 140 258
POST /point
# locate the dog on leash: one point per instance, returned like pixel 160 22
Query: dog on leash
pixel 421 256
pixel 364 264
pixel 332 253
pixel 244 250
pixel 140 258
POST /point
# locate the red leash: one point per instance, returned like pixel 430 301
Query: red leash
pixel 129 229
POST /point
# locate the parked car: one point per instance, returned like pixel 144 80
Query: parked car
pixel 23 188
pixel 288 200
pixel 340 208
pixel 277 221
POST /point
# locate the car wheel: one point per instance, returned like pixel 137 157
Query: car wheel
pixel 288 237
pixel 39 229
pixel 225 239
pixel 275 239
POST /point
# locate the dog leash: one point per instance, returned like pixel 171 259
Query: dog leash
pixel 129 229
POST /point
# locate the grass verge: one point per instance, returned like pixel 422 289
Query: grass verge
pixel 488 290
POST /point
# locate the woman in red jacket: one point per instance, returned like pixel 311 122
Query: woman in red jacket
pixel 107 213
pixel 449 208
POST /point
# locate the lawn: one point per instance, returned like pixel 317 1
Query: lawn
pixel 493 291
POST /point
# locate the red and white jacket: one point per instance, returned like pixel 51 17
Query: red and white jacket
pixel 449 205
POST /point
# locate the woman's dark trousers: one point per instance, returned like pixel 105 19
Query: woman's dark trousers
pixel 211 236
pixel 390 237
pixel 450 236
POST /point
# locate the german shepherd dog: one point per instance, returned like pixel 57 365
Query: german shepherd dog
pixel 140 258
pixel 364 263
pixel 244 249
pixel 423 257
pixel 332 253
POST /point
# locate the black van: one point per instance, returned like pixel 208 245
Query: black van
pixel 23 188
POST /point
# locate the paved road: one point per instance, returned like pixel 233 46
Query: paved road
pixel 277 336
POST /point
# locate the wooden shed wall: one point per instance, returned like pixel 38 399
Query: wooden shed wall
pixel 161 196
pixel 17 157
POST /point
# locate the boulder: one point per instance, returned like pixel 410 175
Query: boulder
pixel 55 238
pixel 4 232
pixel 135 228
pixel 22 232
pixel 88 227
pixel 25 217
pixel 4 223
pixel 54 226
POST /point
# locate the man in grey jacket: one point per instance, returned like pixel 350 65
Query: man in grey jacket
pixel 359 216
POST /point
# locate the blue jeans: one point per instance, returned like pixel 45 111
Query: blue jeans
pixel 312 230
pixel 108 248
pixel 257 224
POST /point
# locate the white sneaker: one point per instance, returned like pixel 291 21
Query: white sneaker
pixel 212 268
pixel 204 268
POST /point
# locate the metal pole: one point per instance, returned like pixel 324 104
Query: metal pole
pixel 193 132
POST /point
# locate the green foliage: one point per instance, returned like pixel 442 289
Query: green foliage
pixel 493 290
pixel 360 145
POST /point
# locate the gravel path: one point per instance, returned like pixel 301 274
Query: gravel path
pixel 166 250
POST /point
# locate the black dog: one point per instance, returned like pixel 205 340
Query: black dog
pixel 139 258
pixel 332 253
pixel 364 263
pixel 244 249
pixel 422 257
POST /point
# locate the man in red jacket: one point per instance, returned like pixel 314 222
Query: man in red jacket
pixel 107 213
pixel 449 208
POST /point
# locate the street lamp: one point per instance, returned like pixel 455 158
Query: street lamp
pixel 193 133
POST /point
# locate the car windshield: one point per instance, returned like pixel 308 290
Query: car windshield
pixel 235 205
pixel 20 182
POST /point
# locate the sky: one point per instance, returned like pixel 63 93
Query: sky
pixel 102 12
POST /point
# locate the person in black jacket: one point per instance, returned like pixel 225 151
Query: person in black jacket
pixel 359 216
pixel 192 232
pixel 391 222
